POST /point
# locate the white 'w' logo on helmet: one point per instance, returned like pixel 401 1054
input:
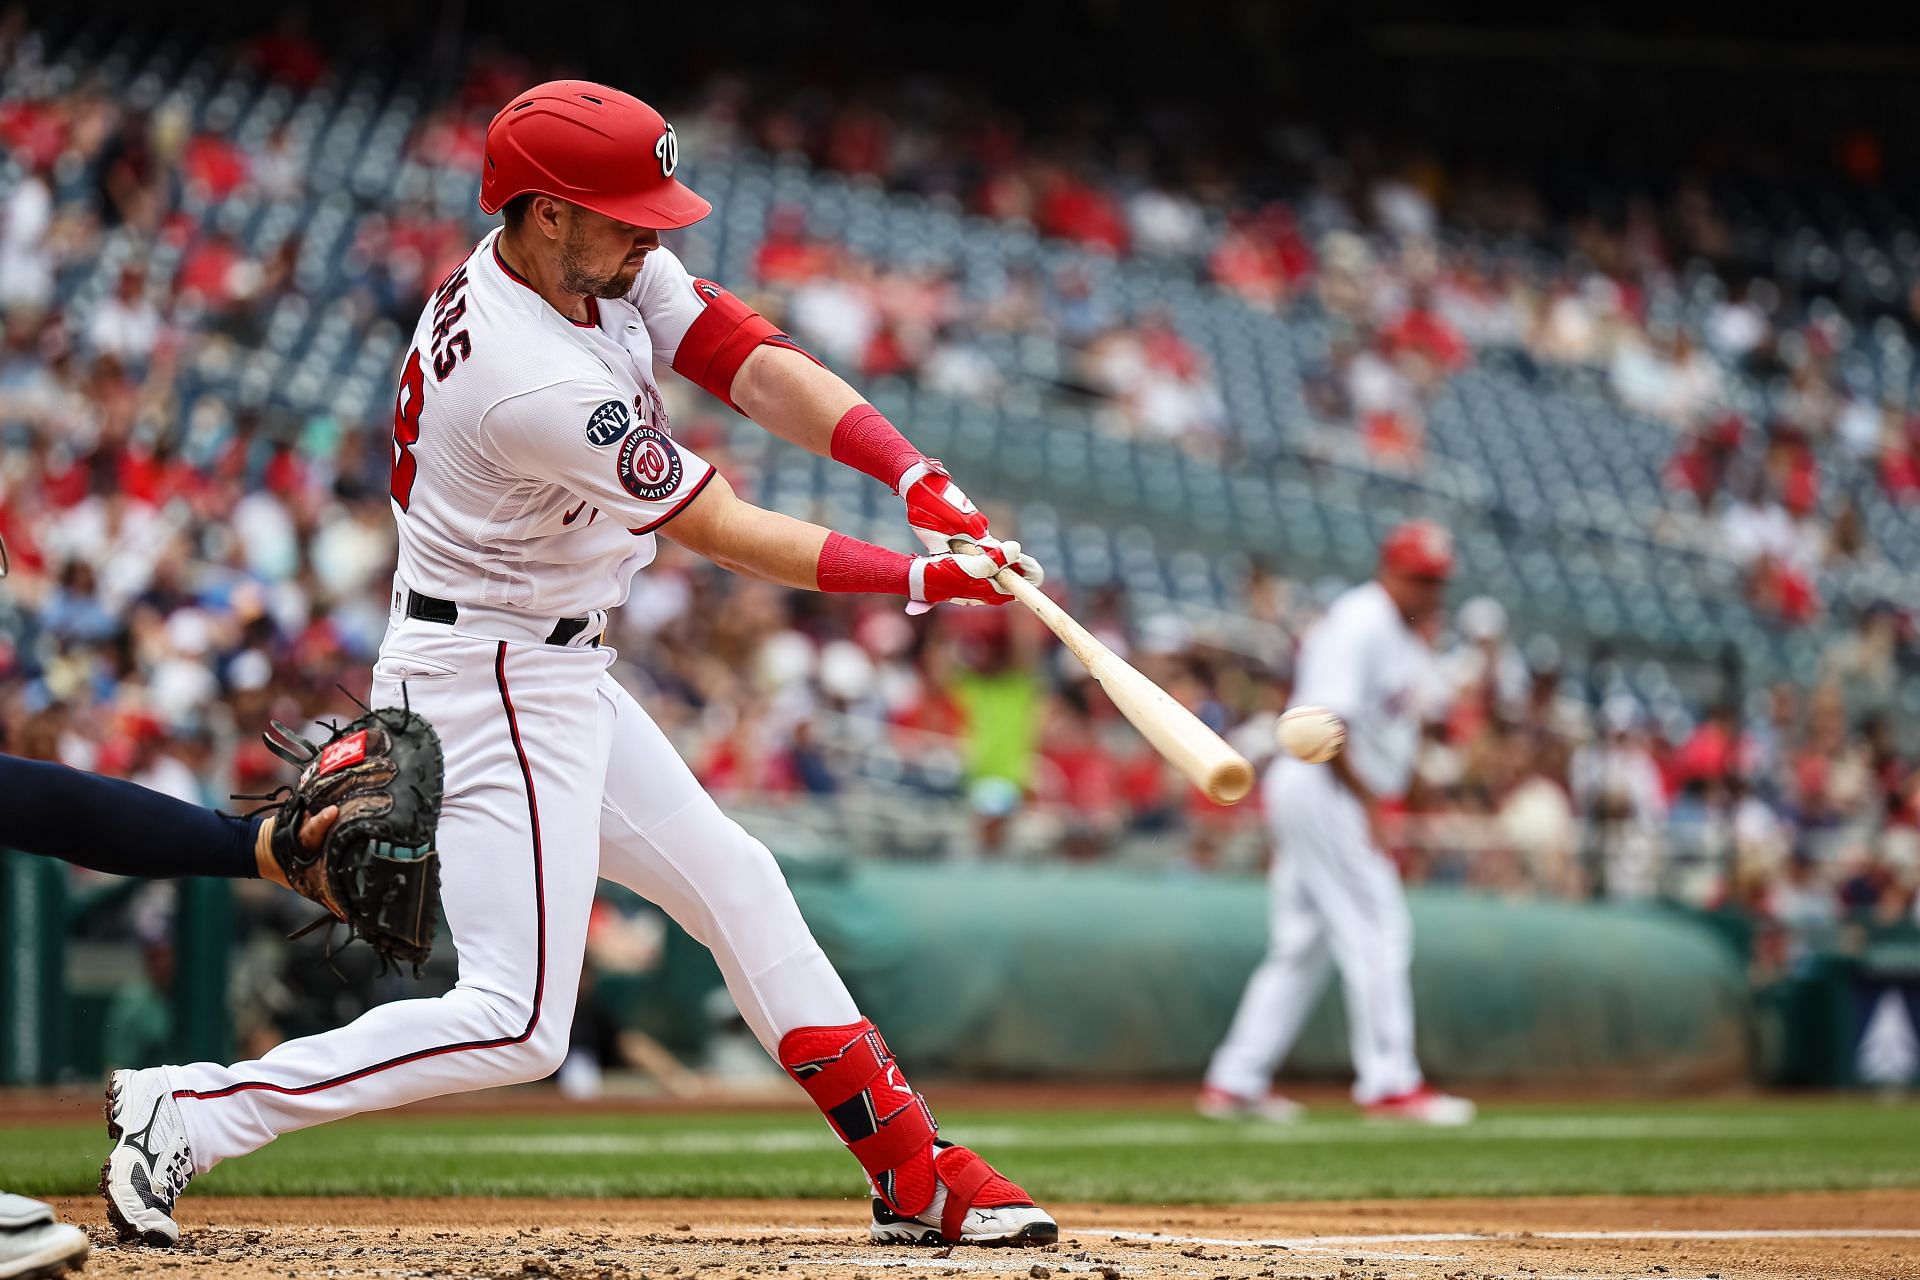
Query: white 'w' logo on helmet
pixel 668 152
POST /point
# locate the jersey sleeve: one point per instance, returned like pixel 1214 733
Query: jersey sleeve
pixel 1333 667
pixel 668 302
pixel 581 435
pixel 698 328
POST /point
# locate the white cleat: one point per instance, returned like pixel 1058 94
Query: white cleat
pixel 1000 1213
pixel 1217 1104
pixel 1424 1105
pixel 32 1245
pixel 150 1163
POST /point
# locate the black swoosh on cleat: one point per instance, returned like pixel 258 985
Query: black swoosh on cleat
pixel 139 1139
pixel 144 1189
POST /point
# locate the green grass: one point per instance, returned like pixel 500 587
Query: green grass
pixel 1158 1155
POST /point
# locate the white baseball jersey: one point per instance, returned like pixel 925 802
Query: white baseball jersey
pixel 1363 662
pixel 1336 900
pixel 533 458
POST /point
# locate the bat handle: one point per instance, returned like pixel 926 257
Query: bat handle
pixel 1010 579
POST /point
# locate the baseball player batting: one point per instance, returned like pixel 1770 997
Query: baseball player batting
pixel 1336 895
pixel 533 471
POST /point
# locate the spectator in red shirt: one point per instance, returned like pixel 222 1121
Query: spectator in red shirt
pixel 209 272
pixel 886 355
pixel 1164 348
pixel 1074 209
pixel 788 255
pixel 1784 591
pixel 214 167
pixel 1695 469
pixel 1715 750
pixel 35 130
pixel 1242 263
pixel 1082 774
pixel 288 53
pixel 859 141
pixel 1423 335
pixel 452 138
pixel 1900 461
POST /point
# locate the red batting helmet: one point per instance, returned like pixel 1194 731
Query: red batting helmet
pixel 1419 549
pixel 593 146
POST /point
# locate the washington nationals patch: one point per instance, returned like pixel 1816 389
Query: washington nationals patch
pixel 608 423
pixel 649 464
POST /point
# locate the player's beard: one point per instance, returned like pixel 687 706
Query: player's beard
pixel 576 277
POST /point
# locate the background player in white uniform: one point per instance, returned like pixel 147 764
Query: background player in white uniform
pixel 1336 896
pixel 533 469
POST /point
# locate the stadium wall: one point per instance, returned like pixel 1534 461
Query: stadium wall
pixel 998 971
pixel 991 971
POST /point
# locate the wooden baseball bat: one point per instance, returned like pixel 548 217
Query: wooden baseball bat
pixel 1175 732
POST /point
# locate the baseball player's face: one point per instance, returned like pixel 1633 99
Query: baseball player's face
pixel 601 257
pixel 1419 598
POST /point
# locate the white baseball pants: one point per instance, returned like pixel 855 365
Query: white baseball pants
pixel 555 777
pixel 1335 900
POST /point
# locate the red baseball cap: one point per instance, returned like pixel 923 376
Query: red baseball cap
pixel 1419 549
pixel 591 145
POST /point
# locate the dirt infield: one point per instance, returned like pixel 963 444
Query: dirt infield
pixel 1859 1234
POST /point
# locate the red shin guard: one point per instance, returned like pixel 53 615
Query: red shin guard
pixel 851 1077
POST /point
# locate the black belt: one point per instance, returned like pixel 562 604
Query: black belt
pixel 446 612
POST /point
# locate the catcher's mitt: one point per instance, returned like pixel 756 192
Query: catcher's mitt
pixel 376 870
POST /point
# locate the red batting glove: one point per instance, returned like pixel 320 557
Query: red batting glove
pixel 938 510
pixel 949 577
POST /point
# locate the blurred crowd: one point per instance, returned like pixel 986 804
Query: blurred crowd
pixel 1784 372
pixel 186 566
pixel 1781 805
pixel 915 320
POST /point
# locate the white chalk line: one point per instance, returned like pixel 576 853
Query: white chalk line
pixel 1370 1246
pixel 1481 1237
pixel 1000 1264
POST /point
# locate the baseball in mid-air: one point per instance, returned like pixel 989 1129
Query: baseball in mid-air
pixel 1313 734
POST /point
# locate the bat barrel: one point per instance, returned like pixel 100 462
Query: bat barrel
pixel 1229 781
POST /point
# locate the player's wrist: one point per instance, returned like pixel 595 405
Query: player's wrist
pixel 265 864
pixel 864 440
pixel 915 473
pixel 850 565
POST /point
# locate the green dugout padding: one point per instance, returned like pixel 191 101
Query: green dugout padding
pixel 1012 971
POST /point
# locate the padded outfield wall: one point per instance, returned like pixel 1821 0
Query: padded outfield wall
pixel 1090 972
pixel 1082 972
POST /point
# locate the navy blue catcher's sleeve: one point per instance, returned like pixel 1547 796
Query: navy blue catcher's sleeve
pixel 118 827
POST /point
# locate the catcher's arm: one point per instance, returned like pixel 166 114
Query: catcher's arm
pixel 313 834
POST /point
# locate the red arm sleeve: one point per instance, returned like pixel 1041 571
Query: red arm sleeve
pixel 721 338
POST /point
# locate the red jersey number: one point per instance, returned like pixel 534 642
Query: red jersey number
pixel 406 428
